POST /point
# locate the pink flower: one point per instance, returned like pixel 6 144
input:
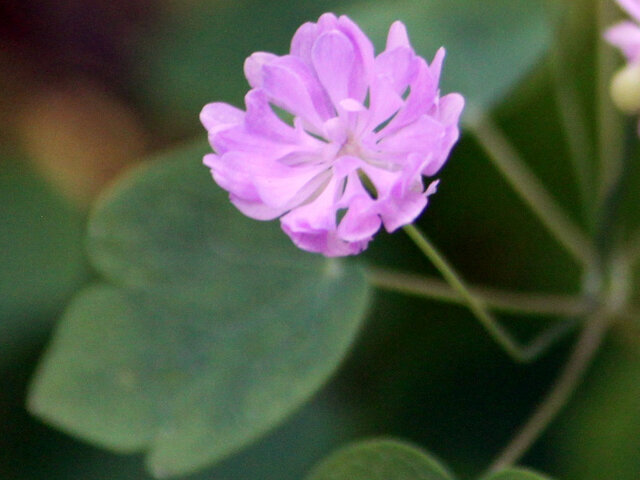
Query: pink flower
pixel 626 34
pixel 365 130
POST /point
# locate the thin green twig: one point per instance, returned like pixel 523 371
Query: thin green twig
pixel 521 353
pixel 571 111
pixel 526 184
pixel 632 249
pixel 495 299
pixel 630 314
pixel 565 385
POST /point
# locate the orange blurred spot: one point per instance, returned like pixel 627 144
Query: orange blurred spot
pixel 79 136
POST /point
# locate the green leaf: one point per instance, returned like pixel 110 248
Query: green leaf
pixel 210 328
pixel 41 257
pixel 389 459
pixel 515 474
pixel 381 459
pixel 599 439
pixel 195 55
pixel 490 44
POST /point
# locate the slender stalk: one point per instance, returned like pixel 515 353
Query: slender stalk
pixel 571 111
pixel 501 336
pixel 526 184
pixel 630 314
pixel 610 143
pixel 577 138
pixel 585 349
pixel 510 302
pixel 633 248
pixel 609 236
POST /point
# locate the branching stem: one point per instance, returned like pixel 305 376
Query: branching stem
pixel 632 249
pixel 527 185
pixel 571 111
pixel 585 349
pixel 495 299
pixel 511 346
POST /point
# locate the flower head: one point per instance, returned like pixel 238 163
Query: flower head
pixel 625 84
pixel 365 130
pixel 626 34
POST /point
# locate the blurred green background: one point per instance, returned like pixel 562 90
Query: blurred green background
pixel 88 88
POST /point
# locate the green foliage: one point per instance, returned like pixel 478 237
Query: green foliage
pixel 197 56
pixel 41 257
pixel 601 434
pixel 490 44
pixel 515 474
pixel 208 329
pixel 380 460
pixel 388 459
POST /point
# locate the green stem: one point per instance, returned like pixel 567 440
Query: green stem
pixel 609 231
pixel 501 336
pixel 526 184
pixel 630 314
pixel 562 390
pixel 632 249
pixel 571 111
pixel 510 302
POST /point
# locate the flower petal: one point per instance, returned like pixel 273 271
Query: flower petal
pixel 261 120
pixel 359 223
pixel 333 58
pixel 632 7
pixel 450 108
pixel 363 68
pixel 312 227
pixel 255 209
pixel 220 116
pixel 423 136
pixel 253 66
pixel 625 36
pixel 291 85
pixel 397 36
pixel 402 210
pixel 399 66
pixel 242 192
pixel 423 94
pixel 292 190
pixel 306 35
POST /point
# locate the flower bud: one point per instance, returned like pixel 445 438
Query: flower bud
pixel 625 88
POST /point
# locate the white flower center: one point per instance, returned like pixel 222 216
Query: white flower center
pixel 352 148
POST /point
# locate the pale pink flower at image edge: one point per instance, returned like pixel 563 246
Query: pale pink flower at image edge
pixel 626 34
pixel 365 130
